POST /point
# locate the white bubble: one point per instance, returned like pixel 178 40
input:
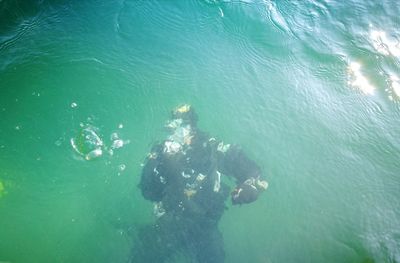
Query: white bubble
pixel 94 154
pixel 221 12
pixel 120 126
pixel 74 105
pixel 114 136
pixel 121 167
pixel 117 144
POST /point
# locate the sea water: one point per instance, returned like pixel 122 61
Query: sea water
pixel 309 89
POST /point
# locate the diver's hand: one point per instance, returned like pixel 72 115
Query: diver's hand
pixel 248 191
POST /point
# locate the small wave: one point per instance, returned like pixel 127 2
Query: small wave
pixel 394 87
pixel 23 29
pixel 26 21
pixel 90 59
pixel 276 18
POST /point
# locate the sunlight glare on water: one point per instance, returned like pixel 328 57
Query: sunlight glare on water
pixel 359 80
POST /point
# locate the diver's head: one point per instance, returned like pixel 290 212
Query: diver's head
pixel 186 113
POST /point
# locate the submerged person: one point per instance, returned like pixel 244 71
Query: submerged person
pixel 182 176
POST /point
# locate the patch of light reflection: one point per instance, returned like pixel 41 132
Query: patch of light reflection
pixel 394 87
pixel 383 44
pixel 358 80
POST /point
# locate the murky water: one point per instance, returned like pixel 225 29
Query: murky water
pixel 310 89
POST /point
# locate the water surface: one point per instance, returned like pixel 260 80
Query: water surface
pixel 311 90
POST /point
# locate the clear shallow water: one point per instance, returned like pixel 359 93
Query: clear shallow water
pixel 310 90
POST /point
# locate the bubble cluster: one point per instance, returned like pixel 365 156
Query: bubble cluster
pixel 89 142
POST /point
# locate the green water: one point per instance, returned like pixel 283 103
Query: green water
pixel 310 89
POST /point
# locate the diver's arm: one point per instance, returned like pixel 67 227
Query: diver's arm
pixel 235 163
pixel 152 182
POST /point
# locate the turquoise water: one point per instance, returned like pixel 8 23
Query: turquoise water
pixel 310 89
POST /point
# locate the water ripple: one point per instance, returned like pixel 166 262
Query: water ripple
pixel 276 18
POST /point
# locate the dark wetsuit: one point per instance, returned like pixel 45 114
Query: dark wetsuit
pixel 182 176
